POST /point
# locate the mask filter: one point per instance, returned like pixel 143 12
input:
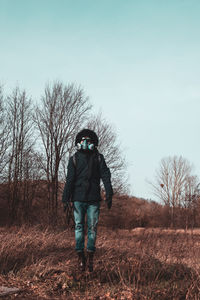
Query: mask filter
pixel 91 147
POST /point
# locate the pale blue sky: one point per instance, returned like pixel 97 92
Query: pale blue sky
pixel 139 62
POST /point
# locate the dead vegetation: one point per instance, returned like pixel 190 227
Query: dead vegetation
pixel 129 264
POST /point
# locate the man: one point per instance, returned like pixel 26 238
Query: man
pixel 85 169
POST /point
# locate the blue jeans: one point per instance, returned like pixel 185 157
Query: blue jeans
pixel 92 211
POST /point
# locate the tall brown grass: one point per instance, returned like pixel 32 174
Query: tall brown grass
pixel 129 264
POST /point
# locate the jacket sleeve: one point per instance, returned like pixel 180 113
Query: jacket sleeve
pixel 106 177
pixel 69 185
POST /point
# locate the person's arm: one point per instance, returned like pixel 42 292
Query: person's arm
pixel 106 178
pixel 69 185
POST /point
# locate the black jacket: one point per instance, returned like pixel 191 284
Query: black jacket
pixel 83 178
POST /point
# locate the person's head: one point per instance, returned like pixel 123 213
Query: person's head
pixel 86 140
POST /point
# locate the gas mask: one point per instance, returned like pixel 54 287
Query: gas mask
pixel 85 144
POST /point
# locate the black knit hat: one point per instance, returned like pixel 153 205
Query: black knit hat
pixel 87 132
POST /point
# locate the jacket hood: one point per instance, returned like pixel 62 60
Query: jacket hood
pixel 87 132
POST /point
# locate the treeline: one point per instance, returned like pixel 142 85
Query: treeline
pixel 36 140
pixel 131 212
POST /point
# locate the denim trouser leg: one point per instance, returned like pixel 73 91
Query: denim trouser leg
pixel 80 210
pixel 92 221
pixel 79 218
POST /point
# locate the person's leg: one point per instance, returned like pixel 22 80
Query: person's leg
pixel 79 218
pixel 92 221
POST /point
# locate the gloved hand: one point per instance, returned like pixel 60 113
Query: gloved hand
pixel 109 202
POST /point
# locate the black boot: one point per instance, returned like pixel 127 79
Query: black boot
pixel 81 261
pixel 90 261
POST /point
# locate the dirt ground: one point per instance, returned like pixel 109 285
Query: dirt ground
pixel 129 264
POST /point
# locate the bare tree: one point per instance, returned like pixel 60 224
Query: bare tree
pixel 3 136
pixel 190 195
pixel 174 183
pixel 110 148
pixel 19 120
pixel 62 111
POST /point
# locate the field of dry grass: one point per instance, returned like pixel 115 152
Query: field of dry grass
pixel 136 264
